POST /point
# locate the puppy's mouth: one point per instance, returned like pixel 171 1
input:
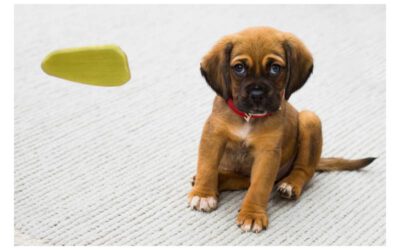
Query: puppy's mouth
pixel 253 109
pixel 258 111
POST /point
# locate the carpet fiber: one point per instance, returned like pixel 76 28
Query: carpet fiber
pixel 112 166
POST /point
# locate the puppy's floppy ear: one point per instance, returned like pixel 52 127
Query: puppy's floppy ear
pixel 215 68
pixel 299 64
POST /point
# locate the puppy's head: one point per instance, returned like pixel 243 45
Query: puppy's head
pixel 257 68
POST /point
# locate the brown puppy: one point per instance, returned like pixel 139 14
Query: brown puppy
pixel 254 137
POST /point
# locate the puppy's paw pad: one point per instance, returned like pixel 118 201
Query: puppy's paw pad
pixel 205 204
pixel 286 191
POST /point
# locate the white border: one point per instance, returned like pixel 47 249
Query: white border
pixel 7 122
pixel 7 102
pixel 244 2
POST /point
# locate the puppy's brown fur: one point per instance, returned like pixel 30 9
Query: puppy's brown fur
pixel 235 154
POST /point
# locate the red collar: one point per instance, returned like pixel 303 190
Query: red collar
pixel 246 116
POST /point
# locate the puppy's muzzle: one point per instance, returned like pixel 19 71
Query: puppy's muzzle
pixel 259 98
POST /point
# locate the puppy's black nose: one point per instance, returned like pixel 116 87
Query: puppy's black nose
pixel 256 95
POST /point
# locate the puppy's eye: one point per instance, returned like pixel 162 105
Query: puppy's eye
pixel 275 69
pixel 240 69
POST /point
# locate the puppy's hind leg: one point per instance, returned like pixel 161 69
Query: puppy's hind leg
pixel 308 156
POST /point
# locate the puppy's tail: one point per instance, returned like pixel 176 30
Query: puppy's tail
pixel 335 164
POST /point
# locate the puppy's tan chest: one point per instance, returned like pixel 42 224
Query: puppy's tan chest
pixel 237 158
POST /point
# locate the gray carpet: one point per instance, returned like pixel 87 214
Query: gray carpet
pixel 112 166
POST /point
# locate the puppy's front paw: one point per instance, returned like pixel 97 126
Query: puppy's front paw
pixel 202 202
pixel 288 190
pixel 252 221
pixel 205 204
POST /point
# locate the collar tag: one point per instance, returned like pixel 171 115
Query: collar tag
pixel 247 117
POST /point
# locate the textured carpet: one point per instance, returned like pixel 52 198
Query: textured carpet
pixel 112 165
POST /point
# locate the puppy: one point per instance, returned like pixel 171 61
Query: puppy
pixel 254 138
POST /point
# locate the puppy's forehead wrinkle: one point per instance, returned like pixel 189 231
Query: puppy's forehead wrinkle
pixel 258 47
